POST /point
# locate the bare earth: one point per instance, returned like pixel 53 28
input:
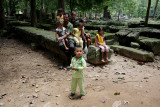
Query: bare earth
pixel 30 78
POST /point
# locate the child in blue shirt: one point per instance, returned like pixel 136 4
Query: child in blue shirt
pixel 61 32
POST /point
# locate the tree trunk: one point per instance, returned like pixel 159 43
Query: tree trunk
pixel 26 9
pixel 2 17
pixel 42 5
pixel 6 5
pixel 71 5
pixel 61 4
pixel 106 13
pixel 33 13
pixel 12 7
pixel 119 15
pixel 147 14
pixel 154 14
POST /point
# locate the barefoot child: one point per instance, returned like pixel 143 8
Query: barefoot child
pixel 77 32
pixel 78 65
pixel 61 31
pixel 87 36
pixel 100 42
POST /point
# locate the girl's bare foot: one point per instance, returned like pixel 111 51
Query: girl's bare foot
pixel 67 48
pixel 102 60
pixel 82 97
pixel 107 60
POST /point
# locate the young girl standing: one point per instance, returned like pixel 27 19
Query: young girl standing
pixel 100 42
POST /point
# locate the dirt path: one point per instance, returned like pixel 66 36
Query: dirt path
pixel 31 79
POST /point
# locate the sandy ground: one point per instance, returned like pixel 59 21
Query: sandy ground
pixel 30 78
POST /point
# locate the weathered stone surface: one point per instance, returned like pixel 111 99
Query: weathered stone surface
pixel 123 33
pixel 108 36
pixel 125 37
pixel 47 26
pixel 3 33
pixel 135 45
pixel 150 32
pixel 18 23
pixel 155 25
pixel 42 37
pixel 134 24
pixel 114 29
pixel 133 35
pixel 94 27
pixel 136 54
pixel 151 44
pixel 94 55
pixel 110 42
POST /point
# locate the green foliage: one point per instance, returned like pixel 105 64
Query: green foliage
pixel 158 17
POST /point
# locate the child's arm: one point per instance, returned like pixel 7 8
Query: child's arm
pixel 63 37
pixel 71 65
pixel 104 43
pixel 97 41
pixel 56 36
pixel 83 66
pixel 74 33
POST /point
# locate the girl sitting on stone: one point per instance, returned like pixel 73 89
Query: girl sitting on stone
pixel 61 31
pixel 100 42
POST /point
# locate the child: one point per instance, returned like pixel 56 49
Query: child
pixel 61 31
pixel 77 32
pixel 100 42
pixel 73 18
pixel 60 15
pixel 87 36
pixel 78 65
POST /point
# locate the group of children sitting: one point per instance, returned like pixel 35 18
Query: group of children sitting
pixel 79 35
pixel 78 63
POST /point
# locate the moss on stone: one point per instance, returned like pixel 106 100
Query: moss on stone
pixel 18 23
pixel 136 54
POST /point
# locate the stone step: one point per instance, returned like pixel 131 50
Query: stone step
pixel 135 54
pixel 44 38
pixel 150 44
pixel 94 55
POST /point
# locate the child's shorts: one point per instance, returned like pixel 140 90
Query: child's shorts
pixel 104 49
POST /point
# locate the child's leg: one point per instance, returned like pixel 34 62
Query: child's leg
pixel 81 86
pixel 81 42
pixel 66 40
pixel 89 36
pixel 76 40
pixel 102 53
pixel 88 42
pixel 64 44
pixel 107 52
pixel 73 86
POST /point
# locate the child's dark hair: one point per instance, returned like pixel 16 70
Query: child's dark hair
pixel 100 29
pixel 73 12
pixel 82 20
pixel 66 14
pixel 59 22
pixel 78 46
pixel 60 9
pixel 80 24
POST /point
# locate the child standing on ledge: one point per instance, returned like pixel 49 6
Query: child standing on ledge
pixel 100 42
pixel 78 65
